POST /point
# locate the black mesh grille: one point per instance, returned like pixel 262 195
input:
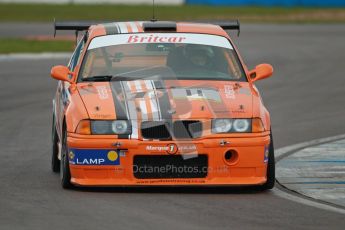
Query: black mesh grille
pixel 184 129
pixel 155 130
pixel 169 166
pixel 187 129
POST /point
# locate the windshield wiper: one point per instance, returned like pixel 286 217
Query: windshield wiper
pixel 99 78
pixel 107 78
pixel 116 78
pixel 132 78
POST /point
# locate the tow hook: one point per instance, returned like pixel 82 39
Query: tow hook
pixel 223 143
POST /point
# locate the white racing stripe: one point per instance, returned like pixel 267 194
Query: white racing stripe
pixel 142 103
pixel 134 27
pixel 138 86
pixel 118 27
pixel 123 27
pixel 156 100
pixel 132 110
pixel 126 100
pixel 143 109
pixel 153 102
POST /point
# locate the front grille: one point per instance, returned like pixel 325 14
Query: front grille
pixel 163 130
pixel 169 166
pixel 155 130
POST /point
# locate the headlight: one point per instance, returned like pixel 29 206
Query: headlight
pixel 242 125
pixel 221 125
pixel 110 127
pixel 120 127
pixel 231 126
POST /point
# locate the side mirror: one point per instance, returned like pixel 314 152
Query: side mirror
pixel 261 71
pixel 61 72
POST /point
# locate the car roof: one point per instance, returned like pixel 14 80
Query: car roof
pixel 139 27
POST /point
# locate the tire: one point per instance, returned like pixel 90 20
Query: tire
pixel 65 174
pixel 55 162
pixel 270 168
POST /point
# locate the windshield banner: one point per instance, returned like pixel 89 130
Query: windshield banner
pixel 176 38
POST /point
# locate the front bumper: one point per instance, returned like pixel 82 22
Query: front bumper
pixel 247 167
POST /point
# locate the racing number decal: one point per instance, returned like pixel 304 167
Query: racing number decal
pixel 172 149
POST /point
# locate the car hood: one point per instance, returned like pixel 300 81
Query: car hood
pixel 168 99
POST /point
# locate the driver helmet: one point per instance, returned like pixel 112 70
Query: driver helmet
pixel 199 55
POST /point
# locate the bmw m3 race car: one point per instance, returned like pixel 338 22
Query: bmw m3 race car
pixel 160 104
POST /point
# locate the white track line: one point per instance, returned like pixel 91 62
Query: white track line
pixel 307 202
pixel 282 151
pixel 288 149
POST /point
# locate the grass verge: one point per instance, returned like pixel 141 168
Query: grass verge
pixel 34 46
pixel 46 13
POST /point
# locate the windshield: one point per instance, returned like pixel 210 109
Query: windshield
pixel 175 56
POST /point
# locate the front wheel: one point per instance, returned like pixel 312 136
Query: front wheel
pixel 270 168
pixel 65 173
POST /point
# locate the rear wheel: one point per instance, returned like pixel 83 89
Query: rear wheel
pixel 55 162
pixel 270 168
pixel 65 173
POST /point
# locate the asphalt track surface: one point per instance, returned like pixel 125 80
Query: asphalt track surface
pixel 306 97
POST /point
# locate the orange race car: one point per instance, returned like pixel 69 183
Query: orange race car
pixel 162 104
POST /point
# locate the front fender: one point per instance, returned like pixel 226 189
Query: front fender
pixel 75 110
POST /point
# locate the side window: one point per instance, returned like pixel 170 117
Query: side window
pixel 76 55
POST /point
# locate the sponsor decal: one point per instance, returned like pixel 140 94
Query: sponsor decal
pixel 157 148
pixel 187 148
pixel 119 170
pixel 238 111
pixel 155 39
pixel 122 153
pixel 196 94
pixel 94 157
pixel 71 155
pixel 102 92
pixel 184 181
pixel 145 38
pixel 172 148
pixel 101 116
pixel 112 155
pixel 229 91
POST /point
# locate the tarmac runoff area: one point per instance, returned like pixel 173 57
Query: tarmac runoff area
pixel 317 172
